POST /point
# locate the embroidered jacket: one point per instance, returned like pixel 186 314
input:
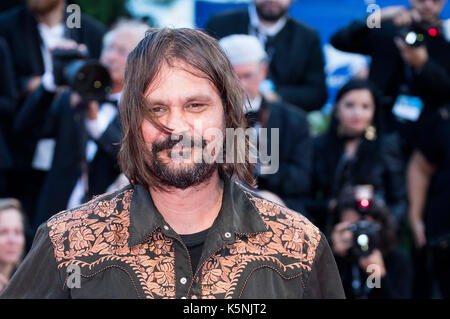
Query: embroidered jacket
pixel 122 248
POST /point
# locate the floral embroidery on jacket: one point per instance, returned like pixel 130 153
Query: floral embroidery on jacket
pixel 98 232
pixel 99 229
pixel 290 237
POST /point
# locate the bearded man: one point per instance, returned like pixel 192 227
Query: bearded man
pixel 187 226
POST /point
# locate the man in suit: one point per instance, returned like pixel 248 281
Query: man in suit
pixel 87 133
pixel 7 108
pixel 296 66
pixel 414 79
pixel 290 182
pixel 32 31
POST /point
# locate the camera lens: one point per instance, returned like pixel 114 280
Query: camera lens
pixel 411 38
pixel 363 242
pixel 89 78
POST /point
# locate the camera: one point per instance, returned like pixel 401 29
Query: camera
pixel 366 238
pixel 366 234
pixel 414 35
pixel 87 77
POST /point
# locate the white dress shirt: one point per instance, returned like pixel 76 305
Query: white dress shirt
pixel 45 148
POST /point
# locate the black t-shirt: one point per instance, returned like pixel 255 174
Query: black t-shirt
pixel 435 146
pixel 194 243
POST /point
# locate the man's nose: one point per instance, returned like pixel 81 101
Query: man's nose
pixel 177 122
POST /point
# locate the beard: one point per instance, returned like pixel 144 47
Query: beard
pixel 42 7
pixel 184 176
pixel 267 12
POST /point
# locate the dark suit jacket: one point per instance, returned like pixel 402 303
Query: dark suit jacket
pixel 291 181
pixel 7 104
pixel 66 125
pixel 19 27
pixel 387 69
pixel 296 68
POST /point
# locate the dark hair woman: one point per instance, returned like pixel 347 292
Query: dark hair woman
pixel 354 151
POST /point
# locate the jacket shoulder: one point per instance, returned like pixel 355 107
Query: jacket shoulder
pixel 289 111
pixel 71 231
pixel 92 27
pixel 302 27
pixel 226 16
pixel 291 233
pixel 225 23
pixel 9 19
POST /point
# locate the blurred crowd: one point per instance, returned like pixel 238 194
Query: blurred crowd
pixel 376 182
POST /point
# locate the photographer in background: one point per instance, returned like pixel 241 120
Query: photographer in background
pixel 32 31
pixel 84 123
pixel 364 243
pixel 410 64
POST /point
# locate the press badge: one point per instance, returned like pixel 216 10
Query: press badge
pixel 408 107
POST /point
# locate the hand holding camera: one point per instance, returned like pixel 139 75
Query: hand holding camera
pixel 357 235
pixel 400 15
pixel 415 56
pixel 414 28
pixel 72 67
pixel 375 258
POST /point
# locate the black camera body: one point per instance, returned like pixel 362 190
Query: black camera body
pixel 415 34
pixel 366 237
pixel 87 77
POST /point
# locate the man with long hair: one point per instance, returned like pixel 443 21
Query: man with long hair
pixel 186 226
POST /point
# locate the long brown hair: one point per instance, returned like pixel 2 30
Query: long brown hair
pixel 199 51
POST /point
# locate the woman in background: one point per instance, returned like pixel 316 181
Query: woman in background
pixel 354 151
pixel 12 238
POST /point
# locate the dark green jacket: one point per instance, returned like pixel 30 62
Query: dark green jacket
pixel 124 249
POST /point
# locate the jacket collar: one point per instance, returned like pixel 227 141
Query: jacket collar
pixel 237 214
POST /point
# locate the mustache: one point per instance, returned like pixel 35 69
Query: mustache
pixel 172 141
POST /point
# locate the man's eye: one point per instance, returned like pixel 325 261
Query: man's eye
pixel 196 107
pixel 158 110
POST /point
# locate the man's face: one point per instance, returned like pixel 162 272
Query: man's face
pixel 190 106
pixel 429 10
pixel 114 55
pixel 251 75
pixel 272 10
